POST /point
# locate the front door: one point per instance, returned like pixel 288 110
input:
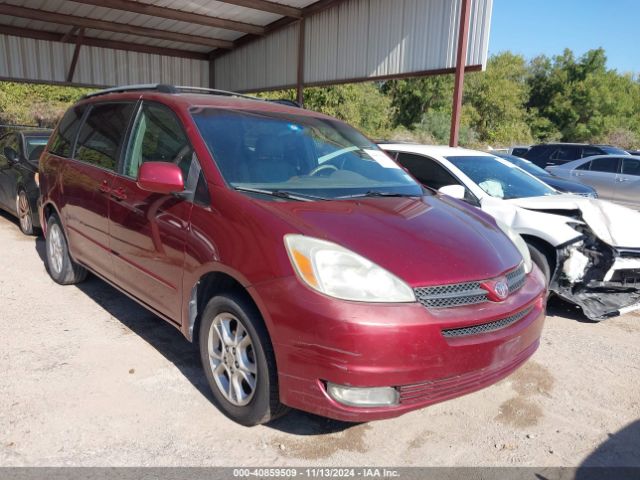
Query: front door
pixel 628 183
pixel 149 230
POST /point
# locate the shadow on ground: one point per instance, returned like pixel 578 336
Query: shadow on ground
pixel 617 457
pixel 183 354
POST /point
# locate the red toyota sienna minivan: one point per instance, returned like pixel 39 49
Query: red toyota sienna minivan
pixel 310 269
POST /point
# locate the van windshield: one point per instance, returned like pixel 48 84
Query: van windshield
pixel 298 154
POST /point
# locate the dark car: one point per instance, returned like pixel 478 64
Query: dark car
pixel 261 231
pixel 560 184
pixel 19 154
pixel 558 153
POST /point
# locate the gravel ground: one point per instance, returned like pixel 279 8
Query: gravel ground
pixel 90 378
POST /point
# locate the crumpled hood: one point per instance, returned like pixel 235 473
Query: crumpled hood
pixel 613 224
pixel 429 241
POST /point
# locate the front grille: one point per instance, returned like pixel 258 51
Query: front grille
pixel 516 279
pixel 468 293
pixel 486 327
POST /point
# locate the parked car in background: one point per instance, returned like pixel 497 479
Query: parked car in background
pixel 262 231
pixel 558 153
pixel 589 250
pixel 615 178
pixel 560 184
pixel 518 150
pixel 19 154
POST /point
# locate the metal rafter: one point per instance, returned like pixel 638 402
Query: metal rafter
pixel 174 14
pixel 64 19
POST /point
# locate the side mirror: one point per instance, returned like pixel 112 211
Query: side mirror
pixel 160 177
pixel 455 191
pixel 11 155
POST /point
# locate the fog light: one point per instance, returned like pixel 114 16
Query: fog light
pixel 363 397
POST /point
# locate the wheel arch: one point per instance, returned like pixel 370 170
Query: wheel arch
pixel 209 285
pixel 545 248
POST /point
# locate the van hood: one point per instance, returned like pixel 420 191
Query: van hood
pixel 614 224
pixel 425 241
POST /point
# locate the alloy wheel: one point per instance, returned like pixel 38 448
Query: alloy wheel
pixel 24 212
pixel 55 248
pixel 232 358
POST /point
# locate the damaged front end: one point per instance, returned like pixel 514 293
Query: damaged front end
pixel 603 280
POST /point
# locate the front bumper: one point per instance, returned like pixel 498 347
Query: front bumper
pixel 318 339
pixel 604 281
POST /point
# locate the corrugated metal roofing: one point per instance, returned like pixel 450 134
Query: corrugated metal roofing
pixel 354 40
pixel 360 39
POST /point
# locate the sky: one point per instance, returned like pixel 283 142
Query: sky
pixel 534 27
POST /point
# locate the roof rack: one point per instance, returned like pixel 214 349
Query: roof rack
pixel 159 87
pixel 173 89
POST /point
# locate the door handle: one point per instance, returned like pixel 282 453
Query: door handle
pixel 119 194
pixel 104 187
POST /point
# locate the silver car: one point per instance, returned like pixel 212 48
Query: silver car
pixel 615 178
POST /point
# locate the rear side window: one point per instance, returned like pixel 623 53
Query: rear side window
pixel 605 165
pixel 631 166
pixel 62 143
pixel 566 153
pixel 591 151
pixel 102 133
pixel 157 136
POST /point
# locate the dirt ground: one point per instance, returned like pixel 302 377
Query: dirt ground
pixel 87 377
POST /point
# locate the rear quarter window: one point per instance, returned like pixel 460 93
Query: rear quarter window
pixel 64 137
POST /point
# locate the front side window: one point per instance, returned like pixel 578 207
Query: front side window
pixel 566 154
pixel 284 152
pixel 605 165
pixel 591 151
pixel 427 171
pixel 609 150
pixel 157 136
pixel 499 178
pixel 62 143
pixel 631 166
pixel 102 134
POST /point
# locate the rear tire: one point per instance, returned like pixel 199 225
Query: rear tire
pixel 24 213
pixel 238 361
pixel 61 267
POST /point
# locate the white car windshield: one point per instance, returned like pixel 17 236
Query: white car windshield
pixel 499 178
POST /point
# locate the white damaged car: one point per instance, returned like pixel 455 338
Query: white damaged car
pixel 589 249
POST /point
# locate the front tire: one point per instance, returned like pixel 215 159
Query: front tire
pixel 24 213
pixel 238 361
pixel 541 260
pixel 61 267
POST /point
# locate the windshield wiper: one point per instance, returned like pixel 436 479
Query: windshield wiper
pixel 301 197
pixel 377 193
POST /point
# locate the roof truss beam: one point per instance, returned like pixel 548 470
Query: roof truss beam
pixel 174 14
pixel 72 20
pixel 266 6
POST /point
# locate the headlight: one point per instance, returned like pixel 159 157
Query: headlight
pixel 519 243
pixel 341 273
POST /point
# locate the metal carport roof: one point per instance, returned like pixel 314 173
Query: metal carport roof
pixel 242 45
